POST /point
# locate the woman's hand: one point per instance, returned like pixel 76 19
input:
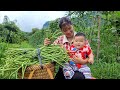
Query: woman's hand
pixel 79 60
pixel 91 61
pixel 76 59
pixel 47 41
pixel 70 53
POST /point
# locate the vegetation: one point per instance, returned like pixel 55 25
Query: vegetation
pixel 102 29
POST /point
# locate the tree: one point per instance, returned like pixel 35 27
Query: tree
pixel 12 32
pixel 34 30
pixel 6 20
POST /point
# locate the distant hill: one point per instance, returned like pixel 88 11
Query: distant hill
pixel 46 25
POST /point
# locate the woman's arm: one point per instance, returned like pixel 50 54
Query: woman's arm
pixel 91 58
pixel 58 41
pixel 90 55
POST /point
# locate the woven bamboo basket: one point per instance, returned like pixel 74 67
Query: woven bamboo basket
pixel 46 71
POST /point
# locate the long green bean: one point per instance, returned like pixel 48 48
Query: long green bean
pixel 22 58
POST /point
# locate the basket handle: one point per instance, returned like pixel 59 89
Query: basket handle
pixel 48 70
pixel 31 74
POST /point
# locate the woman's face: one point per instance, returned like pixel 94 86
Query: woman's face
pixel 68 31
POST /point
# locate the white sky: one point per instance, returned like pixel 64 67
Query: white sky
pixel 27 20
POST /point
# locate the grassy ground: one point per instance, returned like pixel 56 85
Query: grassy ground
pixel 103 70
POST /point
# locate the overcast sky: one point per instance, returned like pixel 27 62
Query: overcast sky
pixel 27 20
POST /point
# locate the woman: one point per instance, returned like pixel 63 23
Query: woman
pixel 65 40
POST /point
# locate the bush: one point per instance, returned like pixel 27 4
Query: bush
pixel 3 47
pixel 103 70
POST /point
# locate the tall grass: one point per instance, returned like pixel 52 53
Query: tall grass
pixel 103 70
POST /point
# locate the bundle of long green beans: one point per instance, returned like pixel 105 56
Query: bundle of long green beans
pixel 21 58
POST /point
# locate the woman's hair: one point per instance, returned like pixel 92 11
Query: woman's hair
pixel 64 21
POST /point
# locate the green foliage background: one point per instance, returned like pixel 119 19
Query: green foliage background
pixel 108 64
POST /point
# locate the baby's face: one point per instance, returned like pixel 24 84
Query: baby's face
pixel 79 41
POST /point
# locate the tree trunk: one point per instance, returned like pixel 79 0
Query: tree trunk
pixel 98 47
